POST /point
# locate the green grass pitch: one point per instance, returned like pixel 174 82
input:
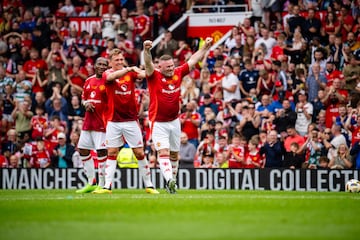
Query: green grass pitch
pixel 190 214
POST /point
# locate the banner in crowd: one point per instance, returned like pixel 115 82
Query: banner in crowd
pixel 214 25
pixel 85 23
pixel 217 179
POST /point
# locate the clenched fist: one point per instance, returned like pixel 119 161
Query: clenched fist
pixel 147 44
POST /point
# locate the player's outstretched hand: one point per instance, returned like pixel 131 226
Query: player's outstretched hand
pixel 147 44
pixel 208 41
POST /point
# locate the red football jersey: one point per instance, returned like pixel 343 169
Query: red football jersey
pixel 39 124
pixel 239 151
pixel 40 158
pixel 94 92
pixel 165 94
pixel 121 103
pixel 188 127
pixel 30 67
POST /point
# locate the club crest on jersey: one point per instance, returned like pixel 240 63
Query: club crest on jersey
pixel 158 144
pixel 171 87
pixel 163 79
pixel 93 94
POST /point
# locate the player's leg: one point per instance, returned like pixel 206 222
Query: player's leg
pixel 85 144
pixel 133 137
pixel 160 137
pixel 102 156
pixel 113 142
pixel 99 139
pixel 174 141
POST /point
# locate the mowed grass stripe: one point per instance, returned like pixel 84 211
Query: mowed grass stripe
pixel 190 214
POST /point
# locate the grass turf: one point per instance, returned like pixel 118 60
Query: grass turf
pixel 190 214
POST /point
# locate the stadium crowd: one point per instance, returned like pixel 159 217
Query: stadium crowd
pixel 282 91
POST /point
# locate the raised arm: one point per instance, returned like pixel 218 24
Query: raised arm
pixel 119 73
pixel 199 54
pixel 149 66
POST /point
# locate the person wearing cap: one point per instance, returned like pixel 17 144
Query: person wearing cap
pixel 62 153
pixel 304 110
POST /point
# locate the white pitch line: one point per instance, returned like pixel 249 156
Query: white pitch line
pixel 180 196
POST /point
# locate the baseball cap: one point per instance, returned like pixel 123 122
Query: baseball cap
pixel 61 135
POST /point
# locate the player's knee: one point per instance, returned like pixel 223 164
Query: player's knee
pixel 112 152
pixel 139 153
pixel 101 152
pixel 84 152
pixel 173 155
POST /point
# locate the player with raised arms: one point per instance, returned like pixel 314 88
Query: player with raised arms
pixel 164 89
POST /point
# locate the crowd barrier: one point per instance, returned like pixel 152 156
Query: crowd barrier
pixel 216 179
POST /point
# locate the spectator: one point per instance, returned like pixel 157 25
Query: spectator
pixel 315 81
pixel 312 148
pixel 57 105
pixel 273 150
pixel 248 78
pixel 285 117
pixel 63 152
pixel 252 157
pixel 206 149
pixel 236 152
pixel 337 139
pixel 76 110
pixel 304 110
pixel 190 121
pixel 187 152
pixel 167 45
pixel 108 22
pixel 208 103
pixel 57 74
pixel 22 116
pixel 351 73
pixel 250 122
pixel 10 146
pixel 142 29
pixel 41 157
pixel 334 96
pixel 267 40
pixel 68 9
pixel 342 160
pixel 230 41
pixel 38 123
pixel 8 105
pixel 189 91
pixel 293 159
pixel 292 136
pixel 22 87
pixel 312 25
pixel 32 66
pixel 230 85
pixel 295 22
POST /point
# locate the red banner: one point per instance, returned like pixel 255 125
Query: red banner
pixel 85 23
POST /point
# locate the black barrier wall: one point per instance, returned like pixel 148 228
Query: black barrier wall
pixel 219 179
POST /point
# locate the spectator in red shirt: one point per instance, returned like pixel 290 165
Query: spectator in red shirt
pixel 32 66
pixel 190 121
pixel 41 157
